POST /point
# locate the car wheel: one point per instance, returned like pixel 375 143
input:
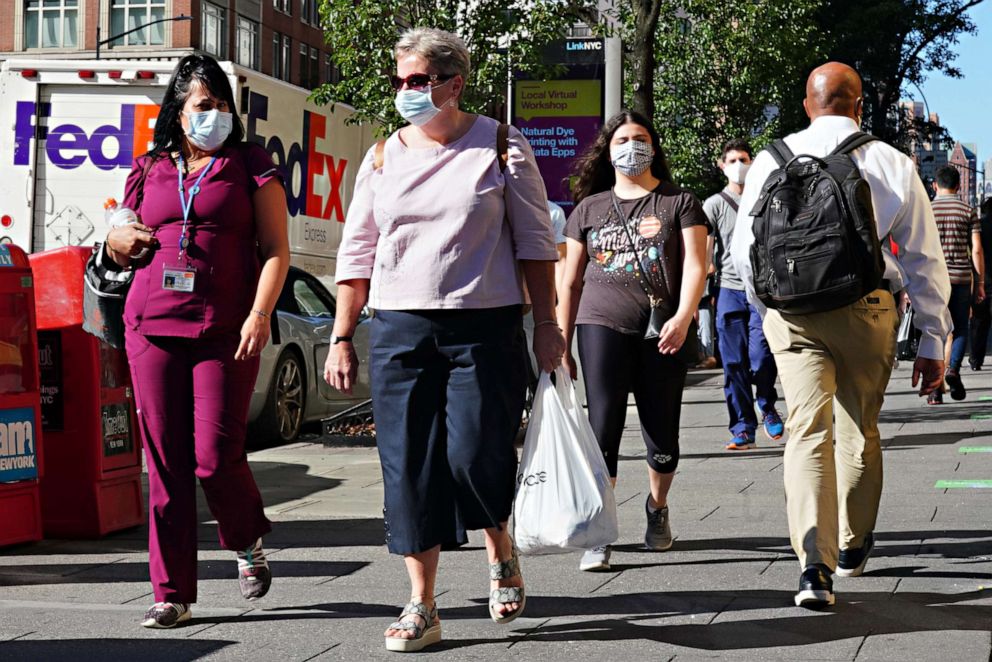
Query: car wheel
pixel 282 417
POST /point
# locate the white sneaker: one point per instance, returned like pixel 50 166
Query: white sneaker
pixel 595 559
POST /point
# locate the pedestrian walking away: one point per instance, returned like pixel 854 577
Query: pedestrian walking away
pixel 442 222
pixel 636 247
pixel 981 311
pixel 749 370
pixel 961 242
pixel 832 318
pixel 196 318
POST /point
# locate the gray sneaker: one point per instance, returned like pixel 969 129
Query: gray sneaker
pixel 659 532
pixel 595 559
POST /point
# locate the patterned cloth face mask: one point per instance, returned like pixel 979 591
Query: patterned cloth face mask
pixel 632 157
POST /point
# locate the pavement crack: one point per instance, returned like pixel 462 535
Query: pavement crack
pixel 741 491
pixel 143 595
pixel 329 648
pixel 894 589
pixel 775 467
pixel 607 581
pixel 765 569
pixel 21 636
pixel 634 496
pixel 92 567
pixel 527 633
pixel 709 513
pixel 722 609
pixel 934 516
pixel 861 645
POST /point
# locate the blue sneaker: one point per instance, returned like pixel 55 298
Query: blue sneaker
pixel 774 427
pixel 740 442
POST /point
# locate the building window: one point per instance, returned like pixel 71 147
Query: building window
pixel 51 23
pixel 287 54
pixel 247 42
pixel 285 6
pixel 309 13
pixel 331 72
pixel 314 67
pixel 130 14
pixel 281 54
pixel 213 29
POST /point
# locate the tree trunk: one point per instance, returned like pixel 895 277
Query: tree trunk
pixel 642 55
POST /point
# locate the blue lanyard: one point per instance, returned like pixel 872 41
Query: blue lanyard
pixel 187 205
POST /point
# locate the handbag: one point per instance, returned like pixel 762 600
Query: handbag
pixel 688 353
pixel 564 499
pixel 105 287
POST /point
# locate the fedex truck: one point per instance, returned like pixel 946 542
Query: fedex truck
pixel 69 131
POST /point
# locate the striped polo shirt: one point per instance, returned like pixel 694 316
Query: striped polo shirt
pixel 956 221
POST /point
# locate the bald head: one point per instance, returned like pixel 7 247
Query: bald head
pixel 833 89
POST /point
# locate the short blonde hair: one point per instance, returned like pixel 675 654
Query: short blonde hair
pixel 444 51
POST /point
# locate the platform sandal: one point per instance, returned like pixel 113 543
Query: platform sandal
pixel 423 635
pixel 506 594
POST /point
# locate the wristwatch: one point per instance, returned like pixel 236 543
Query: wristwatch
pixel 336 339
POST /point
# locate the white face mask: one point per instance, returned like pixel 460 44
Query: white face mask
pixel 208 130
pixel 736 172
pixel 632 157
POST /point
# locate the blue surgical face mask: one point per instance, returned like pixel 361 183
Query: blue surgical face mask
pixel 417 106
pixel 208 130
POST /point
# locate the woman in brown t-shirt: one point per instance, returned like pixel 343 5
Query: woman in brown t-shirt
pixel 631 224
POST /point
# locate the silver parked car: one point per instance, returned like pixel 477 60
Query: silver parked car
pixel 290 389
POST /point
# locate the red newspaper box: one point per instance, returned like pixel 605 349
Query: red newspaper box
pixel 20 415
pixel 92 482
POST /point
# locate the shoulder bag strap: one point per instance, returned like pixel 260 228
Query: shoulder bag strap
pixel 730 201
pixel 642 280
pixel 780 152
pixel 503 145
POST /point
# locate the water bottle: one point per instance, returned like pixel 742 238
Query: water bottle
pixel 117 215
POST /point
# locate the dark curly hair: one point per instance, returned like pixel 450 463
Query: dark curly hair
pixel 594 171
pixel 205 70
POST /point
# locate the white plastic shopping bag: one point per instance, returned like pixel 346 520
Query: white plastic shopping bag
pixel 564 497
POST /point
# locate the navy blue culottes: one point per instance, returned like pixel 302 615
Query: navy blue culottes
pixel 448 391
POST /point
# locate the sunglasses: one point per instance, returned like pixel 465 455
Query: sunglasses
pixel 417 81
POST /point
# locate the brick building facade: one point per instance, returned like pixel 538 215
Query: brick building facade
pixel 281 38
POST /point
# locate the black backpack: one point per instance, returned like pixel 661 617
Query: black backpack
pixel 816 245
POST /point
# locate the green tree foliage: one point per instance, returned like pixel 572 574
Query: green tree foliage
pixel 500 34
pixel 894 44
pixel 728 70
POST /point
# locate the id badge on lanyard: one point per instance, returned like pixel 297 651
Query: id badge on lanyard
pixel 182 278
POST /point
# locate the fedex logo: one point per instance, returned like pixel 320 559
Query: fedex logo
pixel 314 166
pixel 68 146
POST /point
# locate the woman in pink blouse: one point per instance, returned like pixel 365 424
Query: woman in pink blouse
pixel 196 319
pixel 435 241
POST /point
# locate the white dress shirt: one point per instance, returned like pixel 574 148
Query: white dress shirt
pixel 902 211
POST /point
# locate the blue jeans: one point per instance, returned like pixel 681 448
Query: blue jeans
pixel 747 361
pixel 960 306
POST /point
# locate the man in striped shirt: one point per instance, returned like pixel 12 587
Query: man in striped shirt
pixel 960 237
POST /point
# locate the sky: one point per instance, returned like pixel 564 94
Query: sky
pixel 963 103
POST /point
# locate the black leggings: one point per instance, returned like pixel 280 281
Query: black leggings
pixel 613 365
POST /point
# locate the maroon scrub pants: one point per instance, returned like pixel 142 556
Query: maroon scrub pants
pixel 192 399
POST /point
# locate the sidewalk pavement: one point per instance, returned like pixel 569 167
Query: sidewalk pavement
pixel 724 591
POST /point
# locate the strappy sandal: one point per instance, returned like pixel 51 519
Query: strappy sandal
pixel 506 594
pixel 423 635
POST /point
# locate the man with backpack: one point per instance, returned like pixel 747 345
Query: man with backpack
pixel 748 364
pixel 807 247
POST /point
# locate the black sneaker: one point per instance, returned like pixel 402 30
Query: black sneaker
pixel 166 615
pixel 816 590
pixel 851 562
pixel 254 576
pixel 955 385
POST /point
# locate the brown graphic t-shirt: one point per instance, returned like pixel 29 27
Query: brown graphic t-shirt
pixel 612 294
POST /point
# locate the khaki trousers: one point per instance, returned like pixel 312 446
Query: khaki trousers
pixel 844 356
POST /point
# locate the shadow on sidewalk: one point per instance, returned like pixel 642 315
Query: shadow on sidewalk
pixel 107 650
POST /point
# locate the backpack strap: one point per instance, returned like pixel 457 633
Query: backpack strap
pixel 503 145
pixel 379 156
pixel 730 201
pixel 780 152
pixel 852 142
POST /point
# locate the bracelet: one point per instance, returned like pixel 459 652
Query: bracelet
pixel 259 312
pixel 547 322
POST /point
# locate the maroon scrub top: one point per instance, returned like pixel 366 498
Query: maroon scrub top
pixel 222 249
